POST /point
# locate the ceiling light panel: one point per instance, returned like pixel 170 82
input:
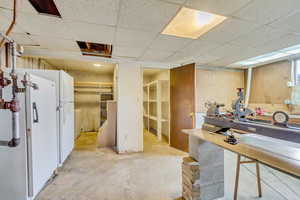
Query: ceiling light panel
pixel 191 23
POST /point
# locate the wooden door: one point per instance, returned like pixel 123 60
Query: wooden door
pixel 182 101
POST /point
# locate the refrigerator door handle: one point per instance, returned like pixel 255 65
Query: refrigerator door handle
pixel 35 113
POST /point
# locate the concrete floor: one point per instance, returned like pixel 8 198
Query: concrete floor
pixel 101 174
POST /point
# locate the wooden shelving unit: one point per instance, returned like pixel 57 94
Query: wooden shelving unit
pixel 157 107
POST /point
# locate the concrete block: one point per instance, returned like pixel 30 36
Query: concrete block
pixel 213 191
pixel 211 163
pixel 211 175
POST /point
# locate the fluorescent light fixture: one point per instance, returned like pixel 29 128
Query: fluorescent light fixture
pixel 292 50
pixel 263 58
pixel 98 65
pixel 286 52
pixel 191 23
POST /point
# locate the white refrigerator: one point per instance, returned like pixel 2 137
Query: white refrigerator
pixel 25 169
pixel 65 109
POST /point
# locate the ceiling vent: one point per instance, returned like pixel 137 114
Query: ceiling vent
pixel 47 7
pixel 95 49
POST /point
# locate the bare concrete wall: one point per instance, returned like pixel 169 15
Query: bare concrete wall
pixel 130 108
pixel 88 103
pixel 217 85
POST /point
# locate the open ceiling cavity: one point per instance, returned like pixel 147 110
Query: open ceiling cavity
pixel 47 7
pixel 95 49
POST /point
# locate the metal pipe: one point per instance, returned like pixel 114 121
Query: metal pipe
pixel 13 23
pixel 15 130
pixel 15 111
pixel 13 105
pixel 248 90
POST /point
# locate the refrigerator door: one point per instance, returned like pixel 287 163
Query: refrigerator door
pixel 53 75
pixel 13 166
pixel 67 130
pixel 42 140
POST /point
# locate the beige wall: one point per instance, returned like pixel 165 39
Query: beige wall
pixel 90 76
pixel 88 103
pixel 162 75
pixel 269 86
pixel 217 85
pixel 25 62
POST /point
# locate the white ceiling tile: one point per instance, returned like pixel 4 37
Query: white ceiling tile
pixel 147 15
pixel 55 43
pixel 221 7
pixel 175 1
pixel 198 47
pixel 222 62
pixel 229 30
pixel 289 23
pixel 232 51
pixel 52 53
pixel 44 25
pixel 266 11
pixel 126 52
pixel 91 32
pixel 176 57
pixel 203 59
pixel 199 59
pixel 23 6
pixel 284 41
pixel 22 39
pixel 92 11
pixel 169 43
pixel 133 38
pixel 155 55
pixel 5 21
pixel 259 36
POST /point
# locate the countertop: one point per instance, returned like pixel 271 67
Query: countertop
pixel 285 159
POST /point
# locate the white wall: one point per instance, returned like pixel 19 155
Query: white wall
pixel 130 112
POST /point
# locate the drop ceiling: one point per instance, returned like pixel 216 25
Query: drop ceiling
pixel 252 28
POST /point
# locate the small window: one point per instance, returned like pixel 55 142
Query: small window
pixel 297 72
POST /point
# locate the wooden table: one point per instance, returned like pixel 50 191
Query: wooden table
pixel 288 164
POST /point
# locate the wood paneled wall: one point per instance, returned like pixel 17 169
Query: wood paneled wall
pixel 217 85
pixel 269 86
pixel 269 83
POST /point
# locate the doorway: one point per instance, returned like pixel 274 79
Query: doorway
pixel 156 106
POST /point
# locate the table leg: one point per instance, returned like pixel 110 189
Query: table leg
pixel 237 176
